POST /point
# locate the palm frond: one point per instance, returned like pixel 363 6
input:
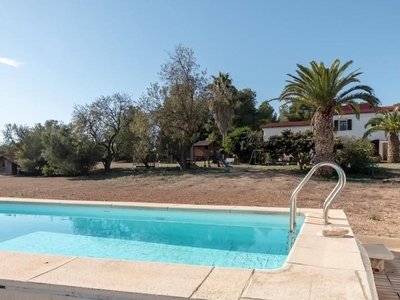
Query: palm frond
pixel 373 129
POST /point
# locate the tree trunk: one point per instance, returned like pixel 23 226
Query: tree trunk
pixel 146 164
pixel 393 148
pixel 324 141
pixel 107 163
pixel 224 136
pixel 183 159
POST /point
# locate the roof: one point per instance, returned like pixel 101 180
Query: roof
pixel 10 158
pixel 288 124
pixel 364 109
pixel 203 143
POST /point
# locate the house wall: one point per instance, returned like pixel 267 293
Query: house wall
pixel 5 167
pixel 357 129
pixel 200 151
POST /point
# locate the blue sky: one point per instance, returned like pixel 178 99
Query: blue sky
pixel 55 54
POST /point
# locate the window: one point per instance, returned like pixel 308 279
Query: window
pixel 2 164
pixel 342 125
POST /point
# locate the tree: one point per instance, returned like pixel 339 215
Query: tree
pixel 145 133
pixel 326 90
pixel 66 151
pixel 180 106
pixel 245 113
pixel 6 149
pixel 223 102
pixel 26 143
pixel 13 135
pixel 295 112
pixel 102 121
pixel 242 141
pixel 389 122
pixel 265 114
pixel 210 131
pixel 299 145
pixel 125 138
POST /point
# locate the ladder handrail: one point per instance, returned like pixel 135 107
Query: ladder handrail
pixel 328 201
pixel 339 186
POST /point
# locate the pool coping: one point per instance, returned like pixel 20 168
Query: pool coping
pixel 317 268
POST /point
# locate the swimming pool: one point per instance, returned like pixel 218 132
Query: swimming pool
pixel 196 237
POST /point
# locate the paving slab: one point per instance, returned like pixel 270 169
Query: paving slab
pixel 322 243
pixel 328 258
pixel 224 208
pixel 305 282
pixel 24 266
pixel 19 295
pixel 128 276
pixel 253 209
pixel 223 284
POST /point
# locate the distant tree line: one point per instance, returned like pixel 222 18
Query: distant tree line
pixel 183 107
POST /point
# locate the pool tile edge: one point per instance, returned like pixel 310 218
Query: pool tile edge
pixel 311 228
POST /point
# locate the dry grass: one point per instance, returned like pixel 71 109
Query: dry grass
pixel 373 207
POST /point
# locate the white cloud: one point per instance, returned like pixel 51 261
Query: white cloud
pixel 10 62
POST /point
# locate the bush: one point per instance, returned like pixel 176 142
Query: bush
pixel 49 170
pixel 354 155
pixel 29 167
pixel 242 141
pixel 299 145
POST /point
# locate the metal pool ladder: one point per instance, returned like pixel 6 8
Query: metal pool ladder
pixel 328 201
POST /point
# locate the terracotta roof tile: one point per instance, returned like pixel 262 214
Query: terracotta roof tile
pixel 288 124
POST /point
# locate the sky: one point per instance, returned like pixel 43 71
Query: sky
pixel 55 54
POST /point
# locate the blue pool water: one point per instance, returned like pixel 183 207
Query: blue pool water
pixel 212 238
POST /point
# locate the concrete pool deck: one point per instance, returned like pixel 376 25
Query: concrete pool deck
pixel 317 268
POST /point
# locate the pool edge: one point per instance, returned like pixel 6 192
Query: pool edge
pixel 199 282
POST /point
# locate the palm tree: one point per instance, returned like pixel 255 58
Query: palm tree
pixel 326 90
pixel 389 122
pixel 223 102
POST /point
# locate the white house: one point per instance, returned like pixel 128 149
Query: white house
pixel 344 125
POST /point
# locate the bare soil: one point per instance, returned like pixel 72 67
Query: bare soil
pixel 372 206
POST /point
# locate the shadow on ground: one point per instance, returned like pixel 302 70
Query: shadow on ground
pixel 212 172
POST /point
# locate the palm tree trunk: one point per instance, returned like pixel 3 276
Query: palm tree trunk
pixel 324 141
pixel 393 148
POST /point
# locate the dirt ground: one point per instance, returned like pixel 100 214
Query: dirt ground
pixel 373 207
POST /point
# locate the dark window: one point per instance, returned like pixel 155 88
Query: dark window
pixel 343 125
pixel 336 125
pixel 2 164
pixel 205 147
pixel 349 124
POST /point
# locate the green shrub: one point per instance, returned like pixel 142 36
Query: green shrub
pixel 354 155
pixel 48 170
pixel 242 141
pixel 29 167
